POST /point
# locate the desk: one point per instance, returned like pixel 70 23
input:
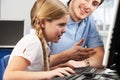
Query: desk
pixel 106 74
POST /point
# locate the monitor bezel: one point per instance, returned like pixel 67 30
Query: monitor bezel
pixel 24 31
pixel 112 25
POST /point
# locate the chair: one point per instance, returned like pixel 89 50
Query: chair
pixel 3 64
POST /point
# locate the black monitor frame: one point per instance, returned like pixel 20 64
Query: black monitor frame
pixel 11 31
pixel 112 50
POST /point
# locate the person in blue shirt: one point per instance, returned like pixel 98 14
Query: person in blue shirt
pixel 81 45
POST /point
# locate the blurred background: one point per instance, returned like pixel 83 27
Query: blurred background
pixel 20 10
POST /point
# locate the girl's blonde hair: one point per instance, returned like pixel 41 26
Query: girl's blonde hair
pixel 49 10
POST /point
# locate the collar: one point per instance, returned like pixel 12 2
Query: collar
pixel 72 22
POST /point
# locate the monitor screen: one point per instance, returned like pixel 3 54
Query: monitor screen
pixel 112 50
pixel 11 31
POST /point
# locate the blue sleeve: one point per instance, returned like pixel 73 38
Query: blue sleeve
pixel 94 39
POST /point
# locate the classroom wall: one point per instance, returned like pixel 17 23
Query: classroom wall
pixel 16 10
pixel 0 9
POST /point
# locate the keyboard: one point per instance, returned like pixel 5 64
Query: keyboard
pixel 82 72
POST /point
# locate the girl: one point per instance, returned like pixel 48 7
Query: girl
pixel 29 60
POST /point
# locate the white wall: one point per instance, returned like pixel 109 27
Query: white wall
pixel 0 9
pixel 64 1
pixel 17 10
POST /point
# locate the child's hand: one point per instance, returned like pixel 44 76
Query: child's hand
pixel 61 72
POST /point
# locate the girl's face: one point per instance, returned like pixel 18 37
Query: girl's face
pixel 54 29
pixel 82 8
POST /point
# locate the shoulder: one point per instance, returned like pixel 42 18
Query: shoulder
pixel 29 40
pixel 90 19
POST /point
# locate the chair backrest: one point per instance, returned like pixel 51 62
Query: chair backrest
pixel 3 64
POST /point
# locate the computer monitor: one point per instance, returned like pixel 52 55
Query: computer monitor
pixel 11 31
pixel 112 50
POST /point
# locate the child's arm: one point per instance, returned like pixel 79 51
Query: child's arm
pixel 16 71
